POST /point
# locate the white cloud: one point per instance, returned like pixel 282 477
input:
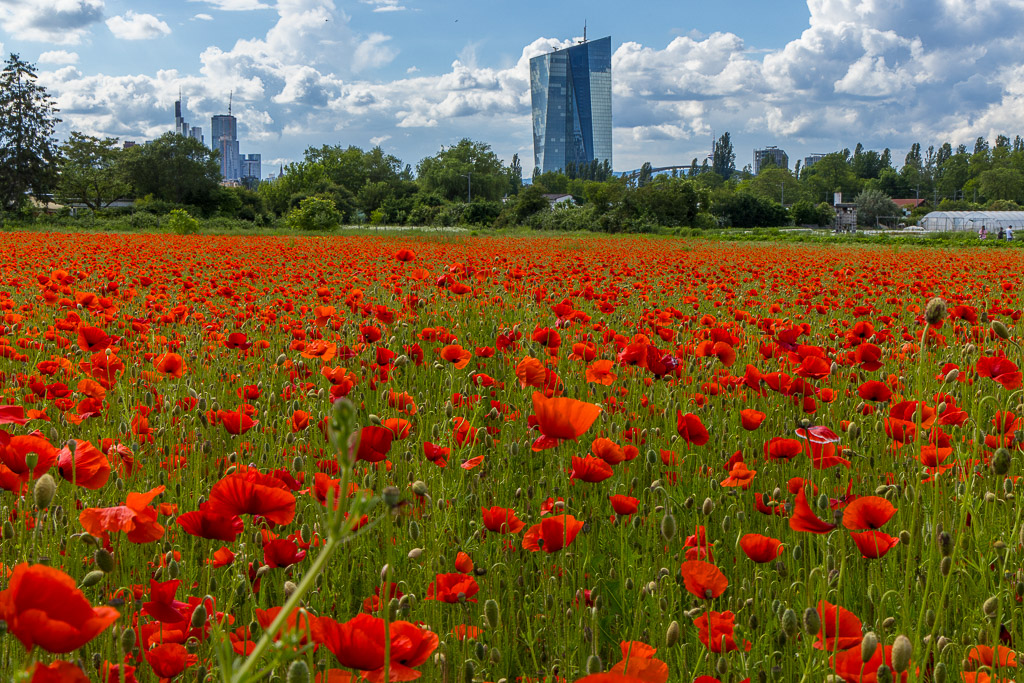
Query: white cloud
pixel 62 22
pixel 202 16
pixel 379 140
pixel 373 52
pixel 235 5
pixel 385 5
pixel 134 26
pixel 58 57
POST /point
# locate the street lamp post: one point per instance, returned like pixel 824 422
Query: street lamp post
pixel 469 185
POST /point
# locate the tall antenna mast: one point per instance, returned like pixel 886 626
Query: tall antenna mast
pixel 230 97
pixel 584 30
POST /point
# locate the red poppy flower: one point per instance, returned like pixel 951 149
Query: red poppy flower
pixel 57 672
pixel 282 552
pixel 92 339
pixel 868 512
pixel 502 520
pixel 590 469
pixel 456 355
pixel 207 523
pixel 716 630
pixel 739 476
pixel 359 644
pixel 751 419
pixel 804 519
pixel 14 455
pixel 253 493
pixel 873 390
pixel 781 448
pixel 43 606
pixel 840 628
pixel 1000 369
pixel 851 668
pixel 449 587
pixel 760 548
pixel 691 429
pixel 169 364
pixel 561 418
pixel 86 467
pixel 135 518
pixel 436 454
pixel 703 579
pixel 552 534
pixel 600 372
pixel 624 505
pixel 374 443
pixel 236 421
pixel 607 450
pixel 405 255
pixel 873 544
pixel 162 605
pixel 168 660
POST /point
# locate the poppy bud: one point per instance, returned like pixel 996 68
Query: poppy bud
pixel 492 614
pixel 884 673
pixel 391 496
pixel 495 655
pixel 853 430
pixel 945 566
pixel 672 634
pixel 708 507
pixel 298 672
pixel 419 488
pixel 199 616
pixel 289 589
pixel 91 579
pixel 905 537
pixel 594 665
pixel 1000 329
pixel 789 623
pixel 939 673
pixel 104 560
pixel 812 621
pixel 935 311
pixel 929 618
pixel 902 649
pixel 1000 462
pixel 868 645
pixel 990 607
pixel 128 640
pixel 31 460
pixel 44 491
pixel 668 527
pixel 888 623
pixel 414 530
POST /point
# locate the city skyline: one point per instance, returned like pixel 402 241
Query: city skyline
pixel 807 77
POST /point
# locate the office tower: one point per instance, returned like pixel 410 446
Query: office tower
pixel 777 157
pixel 197 133
pixel 224 138
pixel 181 126
pixel 252 166
pixel 571 92
pixel 812 160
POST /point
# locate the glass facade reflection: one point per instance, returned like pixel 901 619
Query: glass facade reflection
pixel 571 93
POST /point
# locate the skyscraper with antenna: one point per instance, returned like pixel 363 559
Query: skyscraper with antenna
pixel 224 129
pixel 181 126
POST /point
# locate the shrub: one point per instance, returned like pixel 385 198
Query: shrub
pixel 314 213
pixel 181 223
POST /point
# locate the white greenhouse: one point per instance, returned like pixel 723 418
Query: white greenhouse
pixel 946 221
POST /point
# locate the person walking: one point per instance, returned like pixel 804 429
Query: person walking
pixel 983 233
pixel 1009 233
pixel 1002 233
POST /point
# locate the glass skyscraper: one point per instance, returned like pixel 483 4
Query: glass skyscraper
pixel 225 140
pixel 571 93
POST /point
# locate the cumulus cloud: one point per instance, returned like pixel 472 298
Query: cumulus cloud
pixel 58 57
pixel 202 16
pixel 385 5
pixel 235 5
pixel 63 22
pixel 134 26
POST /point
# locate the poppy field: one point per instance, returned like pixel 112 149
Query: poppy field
pixel 507 459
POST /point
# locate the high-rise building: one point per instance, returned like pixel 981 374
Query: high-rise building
pixel 773 155
pixel 571 92
pixel 252 166
pixel 812 160
pixel 181 126
pixel 224 132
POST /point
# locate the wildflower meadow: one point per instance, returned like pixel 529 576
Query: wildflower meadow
pixel 460 458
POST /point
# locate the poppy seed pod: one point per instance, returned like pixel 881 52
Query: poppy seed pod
pixel 902 649
pixel 812 621
pixel 790 625
pixel 935 311
pixel 1000 462
pixel 868 645
pixel 43 491
pixel 1000 329
pixel 298 672
pixel 672 634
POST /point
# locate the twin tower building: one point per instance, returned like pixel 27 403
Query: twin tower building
pixel 571 92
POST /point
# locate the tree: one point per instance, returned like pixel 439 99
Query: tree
pixel 1002 183
pixel 645 175
pixel 515 175
pixel 872 205
pixel 724 158
pixel 91 172
pixel 745 210
pixel 27 147
pixel 446 172
pixel 176 169
pixel 776 184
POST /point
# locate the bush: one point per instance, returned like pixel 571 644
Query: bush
pixel 314 213
pixel 181 223
pixel 745 210
pixel 705 221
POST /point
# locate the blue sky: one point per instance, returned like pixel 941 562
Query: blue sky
pixel 412 75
